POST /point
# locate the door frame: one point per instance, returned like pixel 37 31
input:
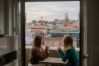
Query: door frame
pixel 81 32
pixel 22 16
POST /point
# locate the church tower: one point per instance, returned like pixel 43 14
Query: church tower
pixel 66 19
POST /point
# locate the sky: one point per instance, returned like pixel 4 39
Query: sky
pixel 52 10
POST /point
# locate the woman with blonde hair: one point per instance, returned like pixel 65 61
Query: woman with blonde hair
pixel 69 53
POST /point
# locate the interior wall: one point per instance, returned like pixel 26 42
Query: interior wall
pixel 9 16
pixel 96 33
pixel 2 17
pixel 90 31
pixel 10 40
pixel 93 32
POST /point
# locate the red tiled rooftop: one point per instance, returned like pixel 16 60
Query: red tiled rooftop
pixel 71 25
pixel 38 30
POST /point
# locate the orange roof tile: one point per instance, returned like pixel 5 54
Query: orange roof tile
pixel 38 30
pixel 71 25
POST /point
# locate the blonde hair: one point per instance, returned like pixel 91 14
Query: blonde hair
pixel 68 41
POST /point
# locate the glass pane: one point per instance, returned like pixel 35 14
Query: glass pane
pixel 53 20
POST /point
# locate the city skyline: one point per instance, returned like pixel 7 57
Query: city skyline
pixel 52 10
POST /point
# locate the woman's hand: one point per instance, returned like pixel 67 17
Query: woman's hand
pixel 47 48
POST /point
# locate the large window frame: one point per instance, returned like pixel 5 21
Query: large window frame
pixel 23 27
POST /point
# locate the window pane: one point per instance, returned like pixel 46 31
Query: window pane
pixel 53 20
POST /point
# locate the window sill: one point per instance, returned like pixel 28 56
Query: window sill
pixel 51 48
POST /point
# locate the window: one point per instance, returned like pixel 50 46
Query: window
pixel 53 20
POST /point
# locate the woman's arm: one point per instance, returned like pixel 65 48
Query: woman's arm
pixel 45 51
pixel 64 55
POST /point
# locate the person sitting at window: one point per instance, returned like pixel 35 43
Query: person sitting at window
pixel 69 53
pixel 38 53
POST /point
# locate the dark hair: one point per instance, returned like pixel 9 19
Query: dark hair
pixel 37 41
pixel 68 41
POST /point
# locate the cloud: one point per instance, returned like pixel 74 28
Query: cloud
pixel 52 10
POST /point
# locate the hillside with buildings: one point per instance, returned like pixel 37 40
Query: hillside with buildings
pixel 52 31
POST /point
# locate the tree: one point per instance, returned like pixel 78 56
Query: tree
pixel 34 22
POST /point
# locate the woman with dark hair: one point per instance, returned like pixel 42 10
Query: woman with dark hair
pixel 69 53
pixel 37 52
